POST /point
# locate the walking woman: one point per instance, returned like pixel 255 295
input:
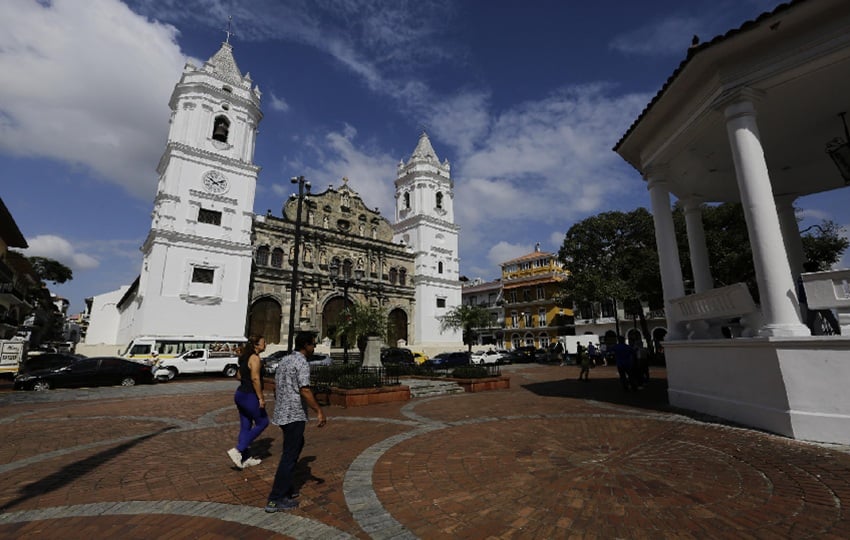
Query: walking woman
pixel 250 402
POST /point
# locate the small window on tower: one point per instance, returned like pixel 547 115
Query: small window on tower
pixel 407 201
pixel 440 267
pixel 203 275
pixel 439 200
pixel 212 217
pixel 441 302
pixel 221 128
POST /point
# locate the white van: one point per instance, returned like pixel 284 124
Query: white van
pixel 197 361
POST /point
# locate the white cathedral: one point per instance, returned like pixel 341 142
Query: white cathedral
pixel 197 257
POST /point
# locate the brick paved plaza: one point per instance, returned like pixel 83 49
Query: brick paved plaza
pixel 549 458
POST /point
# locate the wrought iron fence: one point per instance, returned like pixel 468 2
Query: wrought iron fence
pixel 352 376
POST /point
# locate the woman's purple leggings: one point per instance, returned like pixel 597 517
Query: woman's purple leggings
pixel 252 419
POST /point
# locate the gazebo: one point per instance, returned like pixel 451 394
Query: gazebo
pixel 752 116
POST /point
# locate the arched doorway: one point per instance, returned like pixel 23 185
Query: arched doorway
pixel 396 327
pixel 330 318
pixel 265 319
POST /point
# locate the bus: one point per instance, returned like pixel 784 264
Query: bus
pixel 143 347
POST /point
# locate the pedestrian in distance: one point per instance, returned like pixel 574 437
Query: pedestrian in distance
pixel 624 356
pixel 583 359
pixel 250 402
pixel 292 397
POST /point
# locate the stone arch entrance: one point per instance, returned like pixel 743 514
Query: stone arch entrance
pixel 396 327
pixel 330 319
pixel 265 319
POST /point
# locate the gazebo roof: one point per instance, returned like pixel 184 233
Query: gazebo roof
pixel 793 63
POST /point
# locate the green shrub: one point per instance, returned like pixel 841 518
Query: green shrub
pixel 470 372
pixel 359 380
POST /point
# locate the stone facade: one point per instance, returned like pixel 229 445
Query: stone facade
pixel 335 224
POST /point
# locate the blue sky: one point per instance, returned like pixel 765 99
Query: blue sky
pixel 525 99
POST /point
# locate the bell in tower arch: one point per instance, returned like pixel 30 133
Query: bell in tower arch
pixel 221 128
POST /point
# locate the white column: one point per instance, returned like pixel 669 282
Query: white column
pixel 668 251
pixel 791 234
pixel 696 245
pixel 773 274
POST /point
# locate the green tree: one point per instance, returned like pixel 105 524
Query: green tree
pixel 466 318
pixel 826 246
pixel 50 270
pixel 360 320
pixel 612 255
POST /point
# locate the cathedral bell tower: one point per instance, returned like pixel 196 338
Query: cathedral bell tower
pixel 424 221
pixel 197 255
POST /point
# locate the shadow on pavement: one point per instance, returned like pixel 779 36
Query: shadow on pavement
pixel 72 471
pixel 606 389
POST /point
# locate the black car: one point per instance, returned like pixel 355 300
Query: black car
pixel 524 355
pixel 48 361
pixel 270 362
pixel 105 370
pixel 449 359
pixel 397 355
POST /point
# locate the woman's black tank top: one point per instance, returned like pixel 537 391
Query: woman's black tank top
pixel 245 384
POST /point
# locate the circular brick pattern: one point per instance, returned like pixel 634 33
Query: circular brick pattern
pixel 598 473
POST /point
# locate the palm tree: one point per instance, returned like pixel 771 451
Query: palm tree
pixel 466 318
pixel 358 321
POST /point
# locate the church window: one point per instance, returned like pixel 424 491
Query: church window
pixel 440 267
pixel 203 275
pixel 439 200
pixel 277 257
pixel 526 295
pixel 346 268
pixel 263 255
pixel 393 276
pixel 407 201
pixel 441 302
pixel 212 217
pixel 402 276
pixel 221 128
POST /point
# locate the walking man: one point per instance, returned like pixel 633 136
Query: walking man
pixel 292 397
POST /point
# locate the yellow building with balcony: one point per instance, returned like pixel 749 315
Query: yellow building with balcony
pixel 530 285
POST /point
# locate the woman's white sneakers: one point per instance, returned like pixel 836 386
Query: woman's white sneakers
pixel 236 457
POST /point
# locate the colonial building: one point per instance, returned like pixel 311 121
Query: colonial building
pixel 487 295
pixel 197 256
pixel 424 221
pixel 13 285
pixel 529 286
pixel 337 231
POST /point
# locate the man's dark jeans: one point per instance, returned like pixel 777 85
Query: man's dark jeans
pixel 293 443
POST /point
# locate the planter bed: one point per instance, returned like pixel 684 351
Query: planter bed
pixel 482 384
pixel 357 397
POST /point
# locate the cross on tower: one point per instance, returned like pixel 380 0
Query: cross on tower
pixel 228 31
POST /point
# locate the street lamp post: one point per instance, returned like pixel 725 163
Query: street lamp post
pixel 303 186
pixel 345 282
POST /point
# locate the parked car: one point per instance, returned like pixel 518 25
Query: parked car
pixel 397 355
pixel 486 357
pixel 98 371
pixel 320 359
pixel 48 361
pixel 197 361
pixel 419 357
pixel 449 359
pixel 270 362
pixel 524 355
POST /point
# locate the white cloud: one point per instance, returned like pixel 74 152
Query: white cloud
pixel 504 251
pixel 669 36
pixel 278 104
pixel 84 91
pixel 370 172
pixel 59 249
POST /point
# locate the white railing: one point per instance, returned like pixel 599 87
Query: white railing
pixel 830 290
pixel 705 313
